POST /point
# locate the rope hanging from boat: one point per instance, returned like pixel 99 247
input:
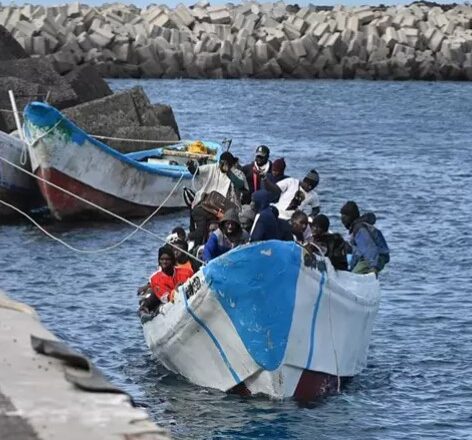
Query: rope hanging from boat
pixel 104 210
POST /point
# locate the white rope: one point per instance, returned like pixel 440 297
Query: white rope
pixel 106 211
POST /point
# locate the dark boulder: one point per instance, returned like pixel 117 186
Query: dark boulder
pixel 88 84
pixel 10 49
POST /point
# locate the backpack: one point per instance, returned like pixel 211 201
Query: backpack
pixel 380 242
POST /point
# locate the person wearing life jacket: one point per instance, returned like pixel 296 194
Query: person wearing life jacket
pixel 162 283
pixel 332 245
pixel 229 235
pixel 370 252
pixel 265 225
pixel 255 171
pixel 181 258
pixel 224 178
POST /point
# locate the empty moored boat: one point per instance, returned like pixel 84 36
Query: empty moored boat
pixel 130 185
pixel 261 320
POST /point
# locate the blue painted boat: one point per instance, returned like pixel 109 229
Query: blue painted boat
pixel 130 185
pixel 258 320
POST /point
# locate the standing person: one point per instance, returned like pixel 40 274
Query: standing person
pixel 257 169
pixel 164 281
pixel 229 235
pixel 269 180
pixel 265 225
pixel 223 178
pixel 370 251
pixel 294 195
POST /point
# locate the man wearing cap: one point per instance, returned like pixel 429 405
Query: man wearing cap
pixel 257 170
pixel 224 178
pixel 294 195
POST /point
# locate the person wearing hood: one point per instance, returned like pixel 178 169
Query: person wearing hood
pixel 370 251
pixel 265 225
pixel 224 178
pixel 162 283
pixel 229 235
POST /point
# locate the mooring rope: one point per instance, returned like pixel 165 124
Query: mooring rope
pixel 104 210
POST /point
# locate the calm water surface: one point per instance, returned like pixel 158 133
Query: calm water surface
pixel 403 150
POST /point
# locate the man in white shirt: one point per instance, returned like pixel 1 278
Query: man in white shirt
pixel 298 195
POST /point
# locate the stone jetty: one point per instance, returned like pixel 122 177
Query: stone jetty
pixel 49 391
pixel 257 40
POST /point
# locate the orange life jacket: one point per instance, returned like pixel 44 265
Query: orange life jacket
pixel 163 285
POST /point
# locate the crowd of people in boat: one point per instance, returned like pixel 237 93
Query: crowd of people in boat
pixel 238 204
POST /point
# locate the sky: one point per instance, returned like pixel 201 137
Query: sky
pixel 173 3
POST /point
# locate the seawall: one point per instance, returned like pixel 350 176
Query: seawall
pixel 255 40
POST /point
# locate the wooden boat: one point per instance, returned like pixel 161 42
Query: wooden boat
pixel 130 185
pixel 16 187
pixel 258 320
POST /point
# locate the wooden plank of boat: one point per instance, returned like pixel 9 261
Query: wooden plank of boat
pixel 65 155
pixel 258 321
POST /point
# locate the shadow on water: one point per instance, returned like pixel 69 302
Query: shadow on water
pixel 402 150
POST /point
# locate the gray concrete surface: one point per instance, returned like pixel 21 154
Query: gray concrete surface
pixel 37 402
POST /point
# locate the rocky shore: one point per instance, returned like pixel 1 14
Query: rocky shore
pixel 259 40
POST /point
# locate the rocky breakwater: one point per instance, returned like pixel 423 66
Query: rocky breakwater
pixel 83 95
pixel 267 40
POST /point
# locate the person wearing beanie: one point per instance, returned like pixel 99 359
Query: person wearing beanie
pixel 181 257
pixel 370 251
pixel 162 283
pixel 255 171
pixel 295 195
pixel 223 178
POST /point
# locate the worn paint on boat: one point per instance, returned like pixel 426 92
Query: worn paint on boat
pixel 130 185
pixel 257 320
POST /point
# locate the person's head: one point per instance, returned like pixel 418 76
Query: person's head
pixel 229 224
pixel 299 222
pixel 226 161
pixel 246 217
pixel 278 167
pixel 310 181
pixel 320 224
pixel 179 246
pixel 261 200
pixel 180 233
pixel 166 258
pixel 262 155
pixel 349 213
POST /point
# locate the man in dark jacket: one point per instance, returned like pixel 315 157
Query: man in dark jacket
pixel 229 235
pixel 265 224
pixel 257 170
pixel 370 252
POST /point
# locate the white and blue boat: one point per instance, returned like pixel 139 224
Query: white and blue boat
pixel 259 320
pixel 130 185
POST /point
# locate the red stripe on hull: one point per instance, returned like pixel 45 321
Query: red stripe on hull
pixel 64 206
pixel 313 384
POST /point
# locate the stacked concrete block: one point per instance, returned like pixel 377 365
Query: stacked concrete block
pixel 250 39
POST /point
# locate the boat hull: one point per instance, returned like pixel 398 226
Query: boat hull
pixel 16 187
pixel 258 321
pixel 68 157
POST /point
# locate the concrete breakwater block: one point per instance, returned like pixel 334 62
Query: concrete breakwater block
pixel 123 40
pixel 127 115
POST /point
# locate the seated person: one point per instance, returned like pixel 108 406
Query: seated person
pixel 300 228
pixel 265 225
pixel 246 217
pixel 331 245
pixel 182 259
pixel 229 235
pixel 164 281
pixel 178 233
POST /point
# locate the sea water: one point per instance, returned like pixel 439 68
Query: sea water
pixel 400 149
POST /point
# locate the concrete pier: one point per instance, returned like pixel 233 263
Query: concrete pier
pixel 260 40
pixel 38 403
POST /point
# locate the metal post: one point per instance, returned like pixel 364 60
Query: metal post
pixel 16 114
